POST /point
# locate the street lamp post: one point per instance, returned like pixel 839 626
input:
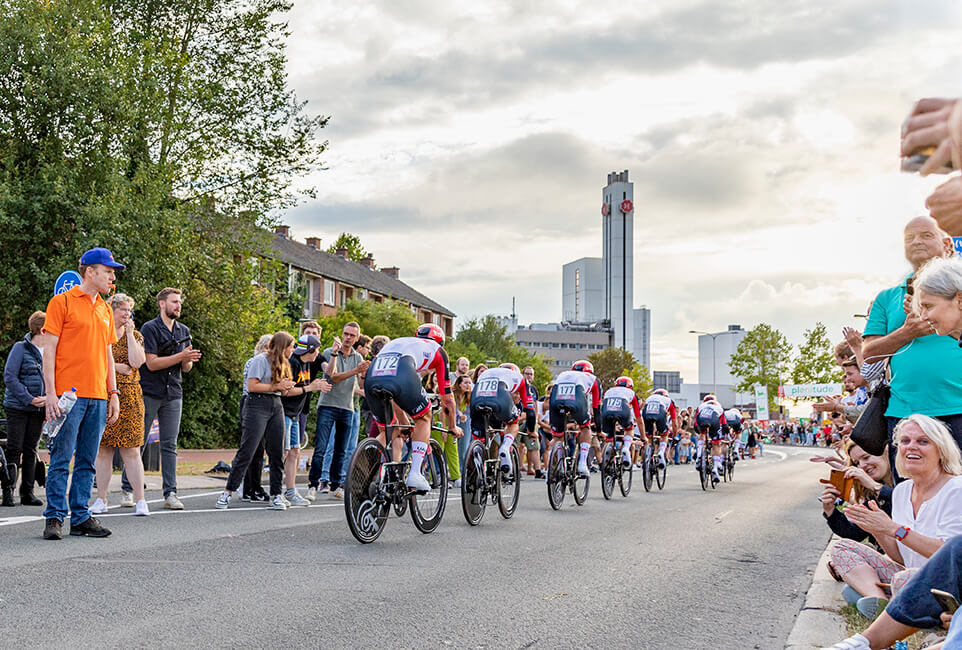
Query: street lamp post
pixel 714 362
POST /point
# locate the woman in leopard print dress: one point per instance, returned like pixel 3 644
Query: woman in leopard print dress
pixel 127 433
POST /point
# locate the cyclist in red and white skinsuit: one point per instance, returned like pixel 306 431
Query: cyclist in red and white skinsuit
pixel 620 406
pixel 502 390
pixel 397 369
pixel 661 417
pixel 710 418
pixel 579 391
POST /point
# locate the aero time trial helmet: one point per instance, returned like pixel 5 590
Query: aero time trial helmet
pixel 583 366
pixel 660 391
pixel 510 366
pixel 710 398
pixel 626 382
pixel 431 331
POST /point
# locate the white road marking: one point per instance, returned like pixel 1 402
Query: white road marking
pixel 777 453
pixel 722 515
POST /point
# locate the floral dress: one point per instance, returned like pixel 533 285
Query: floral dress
pixel 128 430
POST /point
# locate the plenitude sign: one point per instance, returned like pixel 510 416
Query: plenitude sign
pixel 803 391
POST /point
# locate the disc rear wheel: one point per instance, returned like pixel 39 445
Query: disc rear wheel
pixel 647 468
pixel 364 504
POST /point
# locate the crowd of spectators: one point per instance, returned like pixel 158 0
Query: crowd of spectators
pixel 901 525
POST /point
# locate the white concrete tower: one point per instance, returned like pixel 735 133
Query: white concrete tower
pixel 617 213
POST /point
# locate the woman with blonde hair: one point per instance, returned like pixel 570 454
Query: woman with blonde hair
pixel 268 377
pixel 127 433
pixel 926 511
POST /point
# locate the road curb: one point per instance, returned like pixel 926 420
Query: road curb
pixel 819 624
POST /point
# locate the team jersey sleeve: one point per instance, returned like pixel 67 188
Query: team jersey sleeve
pixel 595 395
pixel 637 407
pixel 672 411
pixel 440 366
pixel 526 402
pixel 721 419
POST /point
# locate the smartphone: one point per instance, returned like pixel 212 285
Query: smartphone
pixel 914 162
pixel 845 486
pixel 947 601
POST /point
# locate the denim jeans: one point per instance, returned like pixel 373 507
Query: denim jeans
pixel 333 432
pixel 168 414
pixel 914 605
pixel 79 438
pixel 263 420
pixel 465 441
pixel 352 440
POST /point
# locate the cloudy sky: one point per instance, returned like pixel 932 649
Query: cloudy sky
pixel 470 141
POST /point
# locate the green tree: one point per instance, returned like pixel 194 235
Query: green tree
pixel 763 358
pixel 815 363
pixel 355 251
pixel 613 363
pixel 165 131
pixel 483 339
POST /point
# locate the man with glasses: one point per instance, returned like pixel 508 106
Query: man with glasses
pixel 335 413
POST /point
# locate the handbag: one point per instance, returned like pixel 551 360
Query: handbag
pixel 871 431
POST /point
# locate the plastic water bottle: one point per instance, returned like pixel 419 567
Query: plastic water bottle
pixel 52 427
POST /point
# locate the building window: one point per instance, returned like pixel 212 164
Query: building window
pixel 343 296
pixel 436 319
pixel 362 294
pixel 414 310
pixel 577 294
pixel 328 293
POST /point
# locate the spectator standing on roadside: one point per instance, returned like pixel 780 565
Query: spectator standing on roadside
pixel 169 354
pixel 23 402
pixel 461 391
pixel 127 433
pixel 363 348
pixel 377 343
pixel 77 354
pixel 252 481
pixel 305 352
pixel 535 441
pixel 269 377
pixel 335 410
pixel 926 369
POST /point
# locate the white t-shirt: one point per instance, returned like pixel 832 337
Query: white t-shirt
pixel 940 516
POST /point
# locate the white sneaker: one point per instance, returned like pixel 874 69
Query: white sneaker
pixel 277 503
pixel 457 483
pixel 141 509
pixel 127 499
pixel 287 504
pixel 311 493
pixel 222 501
pixel 857 642
pixel 297 500
pixel 172 502
pixel 417 483
pixel 99 507
pixel 338 493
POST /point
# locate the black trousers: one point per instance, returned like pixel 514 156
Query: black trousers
pixel 23 434
pixel 263 421
pixel 252 482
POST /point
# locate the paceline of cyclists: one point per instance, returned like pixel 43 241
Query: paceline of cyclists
pixel 590 432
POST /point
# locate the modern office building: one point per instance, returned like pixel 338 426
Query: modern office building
pixel 583 291
pixel 562 343
pixel 669 380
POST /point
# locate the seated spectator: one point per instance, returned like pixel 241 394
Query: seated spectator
pixel 873 481
pixel 926 510
pixel 914 608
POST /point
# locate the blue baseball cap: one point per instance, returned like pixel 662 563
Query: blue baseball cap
pixel 100 256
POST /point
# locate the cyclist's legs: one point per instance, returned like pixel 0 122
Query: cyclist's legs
pixel 584 440
pixel 504 454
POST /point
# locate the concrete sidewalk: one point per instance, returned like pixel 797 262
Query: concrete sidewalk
pixel 819 624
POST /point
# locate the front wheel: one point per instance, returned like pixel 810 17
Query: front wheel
pixel 607 471
pixel 473 495
pixel 703 474
pixel 364 504
pixel 579 483
pixel 509 486
pixel 646 469
pixel 556 475
pixel 661 475
pixel 427 509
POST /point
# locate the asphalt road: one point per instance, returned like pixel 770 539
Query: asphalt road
pixel 680 568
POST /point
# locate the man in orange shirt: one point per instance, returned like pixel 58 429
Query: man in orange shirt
pixel 77 355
